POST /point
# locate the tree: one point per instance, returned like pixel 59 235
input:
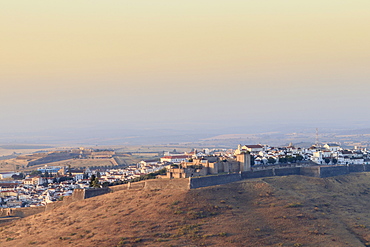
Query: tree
pixel 94 182
pixel 291 159
pixel 327 161
pixel 18 176
pixel 283 160
pixel 92 178
pixel 271 160
pixel 105 184
pixel 334 161
pixel 299 157
pixel 35 173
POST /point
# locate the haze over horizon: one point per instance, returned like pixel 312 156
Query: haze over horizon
pixel 90 69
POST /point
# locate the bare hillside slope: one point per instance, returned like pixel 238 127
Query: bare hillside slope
pixel 278 211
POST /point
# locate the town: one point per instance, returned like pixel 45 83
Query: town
pixel 49 183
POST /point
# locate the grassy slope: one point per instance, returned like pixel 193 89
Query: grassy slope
pixel 280 211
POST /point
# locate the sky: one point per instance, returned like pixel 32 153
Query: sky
pixel 228 66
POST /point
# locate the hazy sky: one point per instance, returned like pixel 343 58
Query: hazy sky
pixel 162 64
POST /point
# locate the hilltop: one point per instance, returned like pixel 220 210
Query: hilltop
pixel 274 211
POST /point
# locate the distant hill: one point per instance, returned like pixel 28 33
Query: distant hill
pixel 276 211
pixel 25 146
pixel 354 132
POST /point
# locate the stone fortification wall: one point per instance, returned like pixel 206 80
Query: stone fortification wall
pixel 166 183
pixel 286 171
pixel 154 184
pixel 356 168
pixel 77 195
pixel 136 186
pixel 257 174
pixel 311 171
pixel 119 187
pixel 198 182
pixel 67 200
pixel 331 171
pixel 92 193
pixel 21 212
pixel 51 206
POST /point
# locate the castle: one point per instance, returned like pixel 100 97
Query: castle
pixel 211 165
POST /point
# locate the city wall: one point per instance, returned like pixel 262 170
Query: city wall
pixel 332 171
pixel 311 171
pixel 257 174
pixel 356 168
pixel 167 183
pixel 198 182
pixel 21 212
pixel 88 193
pixel 155 184
pixel 190 183
pixel 286 171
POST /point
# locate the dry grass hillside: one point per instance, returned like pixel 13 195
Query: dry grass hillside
pixel 279 211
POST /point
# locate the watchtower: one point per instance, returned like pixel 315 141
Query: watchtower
pixel 244 159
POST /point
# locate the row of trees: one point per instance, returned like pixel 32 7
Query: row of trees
pixel 292 159
pixel 332 160
pixel 286 159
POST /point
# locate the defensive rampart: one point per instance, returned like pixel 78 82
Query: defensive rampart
pixel 155 184
pixel 311 171
pixel 331 171
pixel 257 174
pixel 21 212
pixel 93 192
pixel 286 171
pixel 356 168
pixel 166 183
pixel 198 182
pixel 191 183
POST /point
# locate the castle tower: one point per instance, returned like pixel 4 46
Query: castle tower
pixel 244 159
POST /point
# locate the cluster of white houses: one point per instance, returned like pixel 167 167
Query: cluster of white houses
pixel 37 190
pixel 20 194
pixel 246 157
pixel 328 154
